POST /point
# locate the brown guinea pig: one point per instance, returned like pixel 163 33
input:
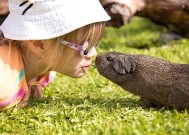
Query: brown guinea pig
pixel 156 81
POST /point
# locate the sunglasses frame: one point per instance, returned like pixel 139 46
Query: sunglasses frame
pixel 81 48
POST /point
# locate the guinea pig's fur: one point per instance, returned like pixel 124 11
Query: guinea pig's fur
pixel 156 81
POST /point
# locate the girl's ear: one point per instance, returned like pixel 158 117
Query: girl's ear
pixel 38 46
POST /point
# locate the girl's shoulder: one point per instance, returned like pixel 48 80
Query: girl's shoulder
pixel 12 81
pixel 11 64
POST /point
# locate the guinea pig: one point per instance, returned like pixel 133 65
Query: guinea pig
pixel 156 81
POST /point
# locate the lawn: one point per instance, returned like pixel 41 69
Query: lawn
pixel 82 107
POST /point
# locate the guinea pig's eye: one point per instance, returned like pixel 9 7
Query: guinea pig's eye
pixel 109 58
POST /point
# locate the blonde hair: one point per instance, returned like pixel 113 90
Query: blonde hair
pixel 3 40
pixel 91 33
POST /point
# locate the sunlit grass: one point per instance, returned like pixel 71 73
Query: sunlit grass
pixel 78 107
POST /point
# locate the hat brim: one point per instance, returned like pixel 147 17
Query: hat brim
pixel 53 24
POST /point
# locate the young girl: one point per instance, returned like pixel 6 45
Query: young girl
pixel 40 37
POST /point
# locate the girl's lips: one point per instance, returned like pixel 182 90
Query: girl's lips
pixel 86 67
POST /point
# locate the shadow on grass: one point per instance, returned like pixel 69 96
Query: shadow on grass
pixel 87 102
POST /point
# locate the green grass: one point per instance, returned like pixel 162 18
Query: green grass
pixel 77 107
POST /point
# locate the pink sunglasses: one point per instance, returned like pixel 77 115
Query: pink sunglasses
pixel 81 48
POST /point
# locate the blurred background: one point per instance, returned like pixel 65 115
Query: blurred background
pixel 3 10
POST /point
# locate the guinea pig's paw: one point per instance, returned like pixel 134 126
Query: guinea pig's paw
pixel 145 103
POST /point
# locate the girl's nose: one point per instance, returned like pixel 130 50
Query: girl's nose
pixel 92 52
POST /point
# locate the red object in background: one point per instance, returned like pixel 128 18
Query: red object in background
pixel 4 7
pixel 4 11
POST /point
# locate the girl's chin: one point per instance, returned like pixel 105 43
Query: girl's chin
pixel 79 74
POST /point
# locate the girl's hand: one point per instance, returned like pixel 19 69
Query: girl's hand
pixel 35 88
pixel 34 91
pixel 26 98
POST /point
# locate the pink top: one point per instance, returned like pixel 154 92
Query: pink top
pixel 13 83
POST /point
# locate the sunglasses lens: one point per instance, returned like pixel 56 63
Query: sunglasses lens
pixel 85 52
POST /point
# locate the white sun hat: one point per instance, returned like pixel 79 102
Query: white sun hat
pixel 45 19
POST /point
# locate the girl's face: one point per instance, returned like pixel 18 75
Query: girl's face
pixel 76 65
pixel 70 62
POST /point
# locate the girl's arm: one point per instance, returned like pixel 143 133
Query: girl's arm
pixel 36 85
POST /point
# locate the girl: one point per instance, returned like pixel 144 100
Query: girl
pixel 40 37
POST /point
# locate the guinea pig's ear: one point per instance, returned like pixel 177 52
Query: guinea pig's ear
pixel 129 65
pixel 119 68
